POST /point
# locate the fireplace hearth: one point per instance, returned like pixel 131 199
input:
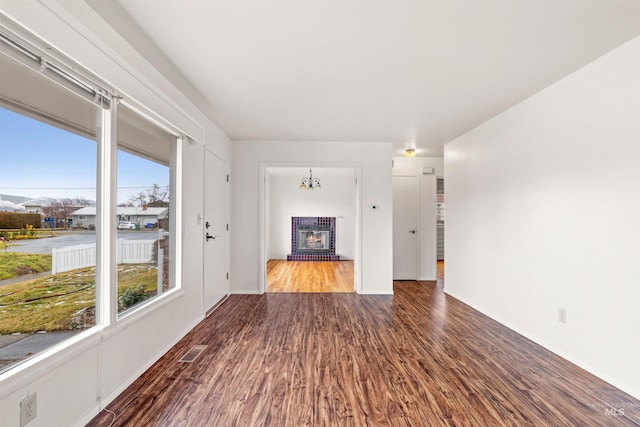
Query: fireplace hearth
pixel 313 239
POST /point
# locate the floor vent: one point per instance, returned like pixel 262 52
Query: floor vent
pixel 193 354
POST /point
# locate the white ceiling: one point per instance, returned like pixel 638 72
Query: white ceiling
pixel 416 73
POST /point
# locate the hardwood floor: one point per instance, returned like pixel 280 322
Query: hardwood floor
pixel 418 358
pixel 317 276
pixel 440 273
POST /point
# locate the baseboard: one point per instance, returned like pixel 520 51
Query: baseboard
pixel 216 305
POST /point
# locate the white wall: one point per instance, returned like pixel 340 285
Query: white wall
pixel 403 166
pixel 543 212
pixel 374 159
pixel 73 383
pixel 336 198
pixel 412 166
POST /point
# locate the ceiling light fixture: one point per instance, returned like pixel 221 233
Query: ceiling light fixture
pixel 410 152
pixel 310 183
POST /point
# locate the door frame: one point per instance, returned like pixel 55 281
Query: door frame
pixel 429 205
pixel 263 192
pixel 424 207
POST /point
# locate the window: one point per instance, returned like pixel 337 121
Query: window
pixel 144 209
pixel 48 149
pixel 56 181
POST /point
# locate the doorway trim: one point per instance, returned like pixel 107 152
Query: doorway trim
pixel 426 206
pixel 263 192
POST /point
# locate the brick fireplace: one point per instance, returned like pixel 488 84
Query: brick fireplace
pixel 313 239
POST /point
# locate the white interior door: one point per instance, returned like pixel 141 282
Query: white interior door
pixel 215 235
pixel 405 228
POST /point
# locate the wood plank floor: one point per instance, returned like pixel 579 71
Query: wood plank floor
pixel 418 358
pixel 440 273
pixel 317 276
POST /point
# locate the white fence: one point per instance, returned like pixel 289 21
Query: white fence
pixel 134 251
pixel 72 257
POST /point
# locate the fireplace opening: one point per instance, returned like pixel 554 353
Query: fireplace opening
pixel 313 239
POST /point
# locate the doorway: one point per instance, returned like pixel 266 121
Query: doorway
pixel 337 198
pixel 440 219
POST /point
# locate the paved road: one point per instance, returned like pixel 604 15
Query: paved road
pixel 72 238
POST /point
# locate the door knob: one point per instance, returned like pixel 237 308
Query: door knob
pixel 412 231
pixel 207 225
pixel 208 236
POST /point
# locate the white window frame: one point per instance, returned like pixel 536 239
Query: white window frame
pixel 107 320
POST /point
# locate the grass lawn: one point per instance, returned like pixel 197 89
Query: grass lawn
pixel 14 264
pixel 64 301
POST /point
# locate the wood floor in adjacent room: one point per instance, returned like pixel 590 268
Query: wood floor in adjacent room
pixel 316 276
pixel 418 358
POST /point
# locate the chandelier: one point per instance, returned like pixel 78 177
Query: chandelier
pixel 310 183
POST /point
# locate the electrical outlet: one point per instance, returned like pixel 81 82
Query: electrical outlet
pixel 562 315
pixel 28 409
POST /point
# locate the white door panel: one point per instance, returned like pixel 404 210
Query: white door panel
pixel 405 228
pixel 215 235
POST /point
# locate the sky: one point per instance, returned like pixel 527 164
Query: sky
pixel 40 160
